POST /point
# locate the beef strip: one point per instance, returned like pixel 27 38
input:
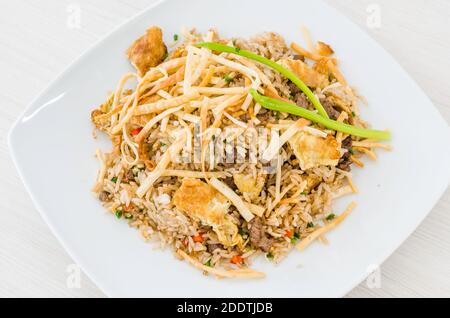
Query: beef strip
pixel 257 236
pixel 104 196
pixel 213 247
pixel 298 97
pixel 345 163
pixel 329 108
pixel 129 176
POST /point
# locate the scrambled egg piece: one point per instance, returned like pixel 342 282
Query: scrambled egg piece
pixel 246 183
pixel 309 76
pixel 312 181
pixel 312 151
pixel 201 201
pixel 148 51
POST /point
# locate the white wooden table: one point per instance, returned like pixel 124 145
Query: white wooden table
pixel 36 44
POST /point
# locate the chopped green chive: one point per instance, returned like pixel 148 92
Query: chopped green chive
pixel 114 179
pixel 295 238
pixel 303 193
pixel 270 256
pixel 175 37
pixel 353 114
pixel 208 263
pixel 128 216
pixel 243 231
pixel 351 151
pixel 310 225
pixel 331 217
pixel 119 214
pixel 228 79
pixel 162 144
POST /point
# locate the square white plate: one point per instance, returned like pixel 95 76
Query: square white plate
pixel 53 149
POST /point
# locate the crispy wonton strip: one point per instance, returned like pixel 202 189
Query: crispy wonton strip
pixel 277 201
pixel 220 273
pixel 357 162
pixel 307 37
pixel 234 198
pixel 193 174
pixel 162 105
pixel 163 163
pixel 335 71
pixel 220 91
pixel 154 121
pixel 312 56
pixel 101 174
pixel 276 144
pixel 327 228
pixel 365 144
pixel 171 80
pixel 367 151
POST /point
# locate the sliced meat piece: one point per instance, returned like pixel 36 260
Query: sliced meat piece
pixel 258 237
pixel 329 108
pixel 345 163
pixel 213 247
pixel 347 143
pixel 265 244
pixel 148 51
pixel 104 196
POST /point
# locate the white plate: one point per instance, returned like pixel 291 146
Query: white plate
pixel 53 148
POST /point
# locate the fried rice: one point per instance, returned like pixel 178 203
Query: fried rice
pixel 215 210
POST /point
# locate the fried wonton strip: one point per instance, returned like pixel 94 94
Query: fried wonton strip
pixel 277 201
pixel 312 56
pixel 343 191
pixel 327 228
pixel 234 198
pixel 236 121
pixel 144 132
pixel 170 81
pixel 276 144
pixel 365 144
pixel 209 74
pixel 255 209
pixel 221 273
pixel 220 91
pixel 162 105
pixel 367 151
pixel 351 183
pixel 193 174
pixel 357 162
pixel 102 172
pixel 163 163
pixel 307 37
pixel 337 74
pixel 231 101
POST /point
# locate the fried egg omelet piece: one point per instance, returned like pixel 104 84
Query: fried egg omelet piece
pixel 201 201
pixel 313 151
pixel 148 51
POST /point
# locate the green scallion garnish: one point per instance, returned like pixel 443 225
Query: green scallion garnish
pixel 284 107
pixel 284 71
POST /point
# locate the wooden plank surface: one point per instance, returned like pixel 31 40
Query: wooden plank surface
pixel 37 43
